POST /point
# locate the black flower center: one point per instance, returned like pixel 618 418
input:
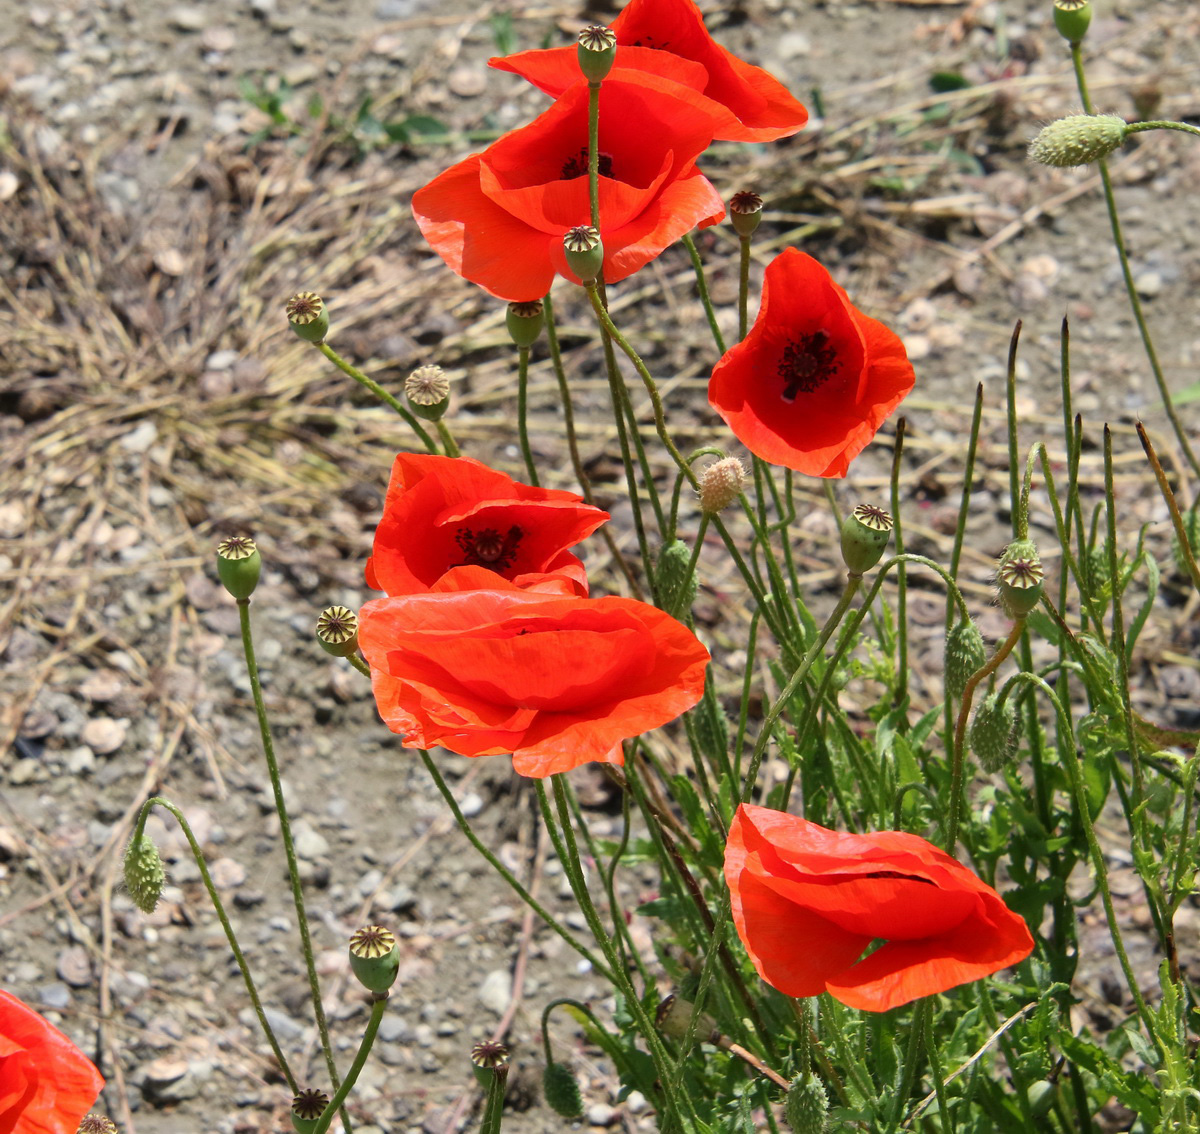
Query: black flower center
pixel 488 548
pixel 808 363
pixel 576 165
pixel 650 41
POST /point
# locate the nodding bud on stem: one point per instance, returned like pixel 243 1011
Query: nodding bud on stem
pixel 584 251
pixel 337 631
pixel 806 1107
pixel 1072 17
pixel 676 586
pixel 96 1124
pixel 1019 578
pixel 428 392
pixel 144 873
pixel 1078 140
pixel 721 483
pixel 597 52
pixel 561 1090
pixel 489 1061
pixel 374 958
pixel 993 733
pixel 239 565
pixel 965 655
pixel 865 535
pixel 525 322
pixel 745 212
pixel 308 317
pixel 307 1108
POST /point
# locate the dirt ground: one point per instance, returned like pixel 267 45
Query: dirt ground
pixel 151 402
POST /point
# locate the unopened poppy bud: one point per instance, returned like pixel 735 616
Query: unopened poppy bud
pixel 1078 140
pixel 965 655
pixel 307 1108
pixel 721 483
pixel 712 729
pixel 1072 17
pixel 239 565
pixel 337 631
pixel 676 584
pixel 308 317
pixel 865 535
pixel 597 52
pixel 525 322
pixel 806 1108
pixel 144 873
pixel 745 212
pixel 428 392
pixel 674 1017
pixel 374 957
pixel 1041 1098
pixel 561 1090
pixel 96 1124
pixel 1191 528
pixel 584 251
pixel 993 736
pixel 1019 578
pixel 489 1060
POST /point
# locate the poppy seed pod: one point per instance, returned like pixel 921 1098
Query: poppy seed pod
pixel 428 392
pixel 992 736
pixel 965 655
pixel 561 1090
pixel 489 1061
pixel 865 535
pixel 745 212
pixel 239 566
pixel 144 873
pixel 1072 18
pixel 525 322
pixel 308 316
pixel 597 51
pixel 96 1124
pixel 584 251
pixel 307 1108
pixel 806 1108
pixel 1019 578
pixel 374 957
pixel 337 631
pixel 1078 140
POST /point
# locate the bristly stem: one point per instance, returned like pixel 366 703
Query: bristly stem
pixel 523 413
pixel 285 830
pixel 1162 124
pixel 379 392
pixel 360 1059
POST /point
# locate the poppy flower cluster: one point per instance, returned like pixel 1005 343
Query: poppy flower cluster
pixel 808 903
pixel 498 217
pixel 487 642
pixel 47 1084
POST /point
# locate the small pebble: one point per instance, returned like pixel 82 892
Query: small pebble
pixel 1148 284
pixel 218 38
pixel 601 1114
pixel 187 19
pixel 467 82
pixel 75 966
pixel 103 735
pixel 56 995
pixel 496 991
pixel 227 874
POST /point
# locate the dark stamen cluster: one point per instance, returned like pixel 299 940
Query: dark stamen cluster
pixel 807 364
pixel 488 548
pixel 577 165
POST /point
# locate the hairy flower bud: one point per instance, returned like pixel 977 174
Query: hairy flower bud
pixel 721 483
pixel 1072 17
pixel 308 317
pixel 239 565
pixel 525 322
pixel 307 1108
pixel 965 655
pixel 865 535
pixel 337 631
pixel 1078 140
pixel 676 585
pixel 428 392
pixel 584 251
pixel 597 52
pixel 993 733
pixel 374 957
pixel 1019 578
pixel 806 1108
pixel 561 1090
pixel 745 212
pixel 144 873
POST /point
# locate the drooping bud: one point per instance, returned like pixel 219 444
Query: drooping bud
pixel 1078 140
pixel 374 957
pixel 745 212
pixel 561 1090
pixel 676 586
pixel 965 655
pixel 674 1016
pixel 865 535
pixel 993 732
pixel 96 1124
pixel 584 251
pixel 1072 17
pixel 712 728
pixel 144 873
pixel 307 1108
pixel 239 565
pixel 489 1060
pixel 428 392
pixel 597 52
pixel 1019 578
pixel 525 322
pixel 1041 1097
pixel 1191 528
pixel 337 631
pixel 806 1108
pixel 721 483
pixel 308 317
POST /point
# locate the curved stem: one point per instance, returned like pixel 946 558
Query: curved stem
pixel 702 288
pixel 360 1059
pixel 448 442
pixel 1162 124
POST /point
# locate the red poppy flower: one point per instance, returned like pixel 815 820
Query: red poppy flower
pixel 498 218
pixel 444 512
pixel 46 1083
pixel 747 104
pixel 815 378
pixel 807 902
pixel 558 682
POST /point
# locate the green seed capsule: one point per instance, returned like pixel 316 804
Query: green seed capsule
pixel 307 1108
pixel 584 251
pixel 1019 578
pixel 597 51
pixel 865 535
pixel 374 957
pixel 308 316
pixel 239 565
pixel 1072 17
pixel 525 322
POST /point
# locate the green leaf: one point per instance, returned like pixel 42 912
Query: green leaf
pixel 942 81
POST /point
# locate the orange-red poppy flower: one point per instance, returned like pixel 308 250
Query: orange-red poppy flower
pixel 444 512
pixel 498 218
pixel 807 902
pixel 46 1083
pixel 558 682
pixel 746 103
pixel 815 378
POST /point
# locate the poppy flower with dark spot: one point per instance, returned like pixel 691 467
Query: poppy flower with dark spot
pixel 47 1084
pixel 557 682
pixel 498 218
pixel 446 512
pixel 808 902
pixel 746 103
pixel 815 378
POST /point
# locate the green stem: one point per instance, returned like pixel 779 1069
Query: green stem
pixel 359 664
pixel 594 153
pixel 379 392
pixel 493 1107
pixel 285 830
pixel 1162 124
pixel 523 413
pixel 901 694
pixel 743 286
pixel 702 288
pixel 364 1049
pixel 448 442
